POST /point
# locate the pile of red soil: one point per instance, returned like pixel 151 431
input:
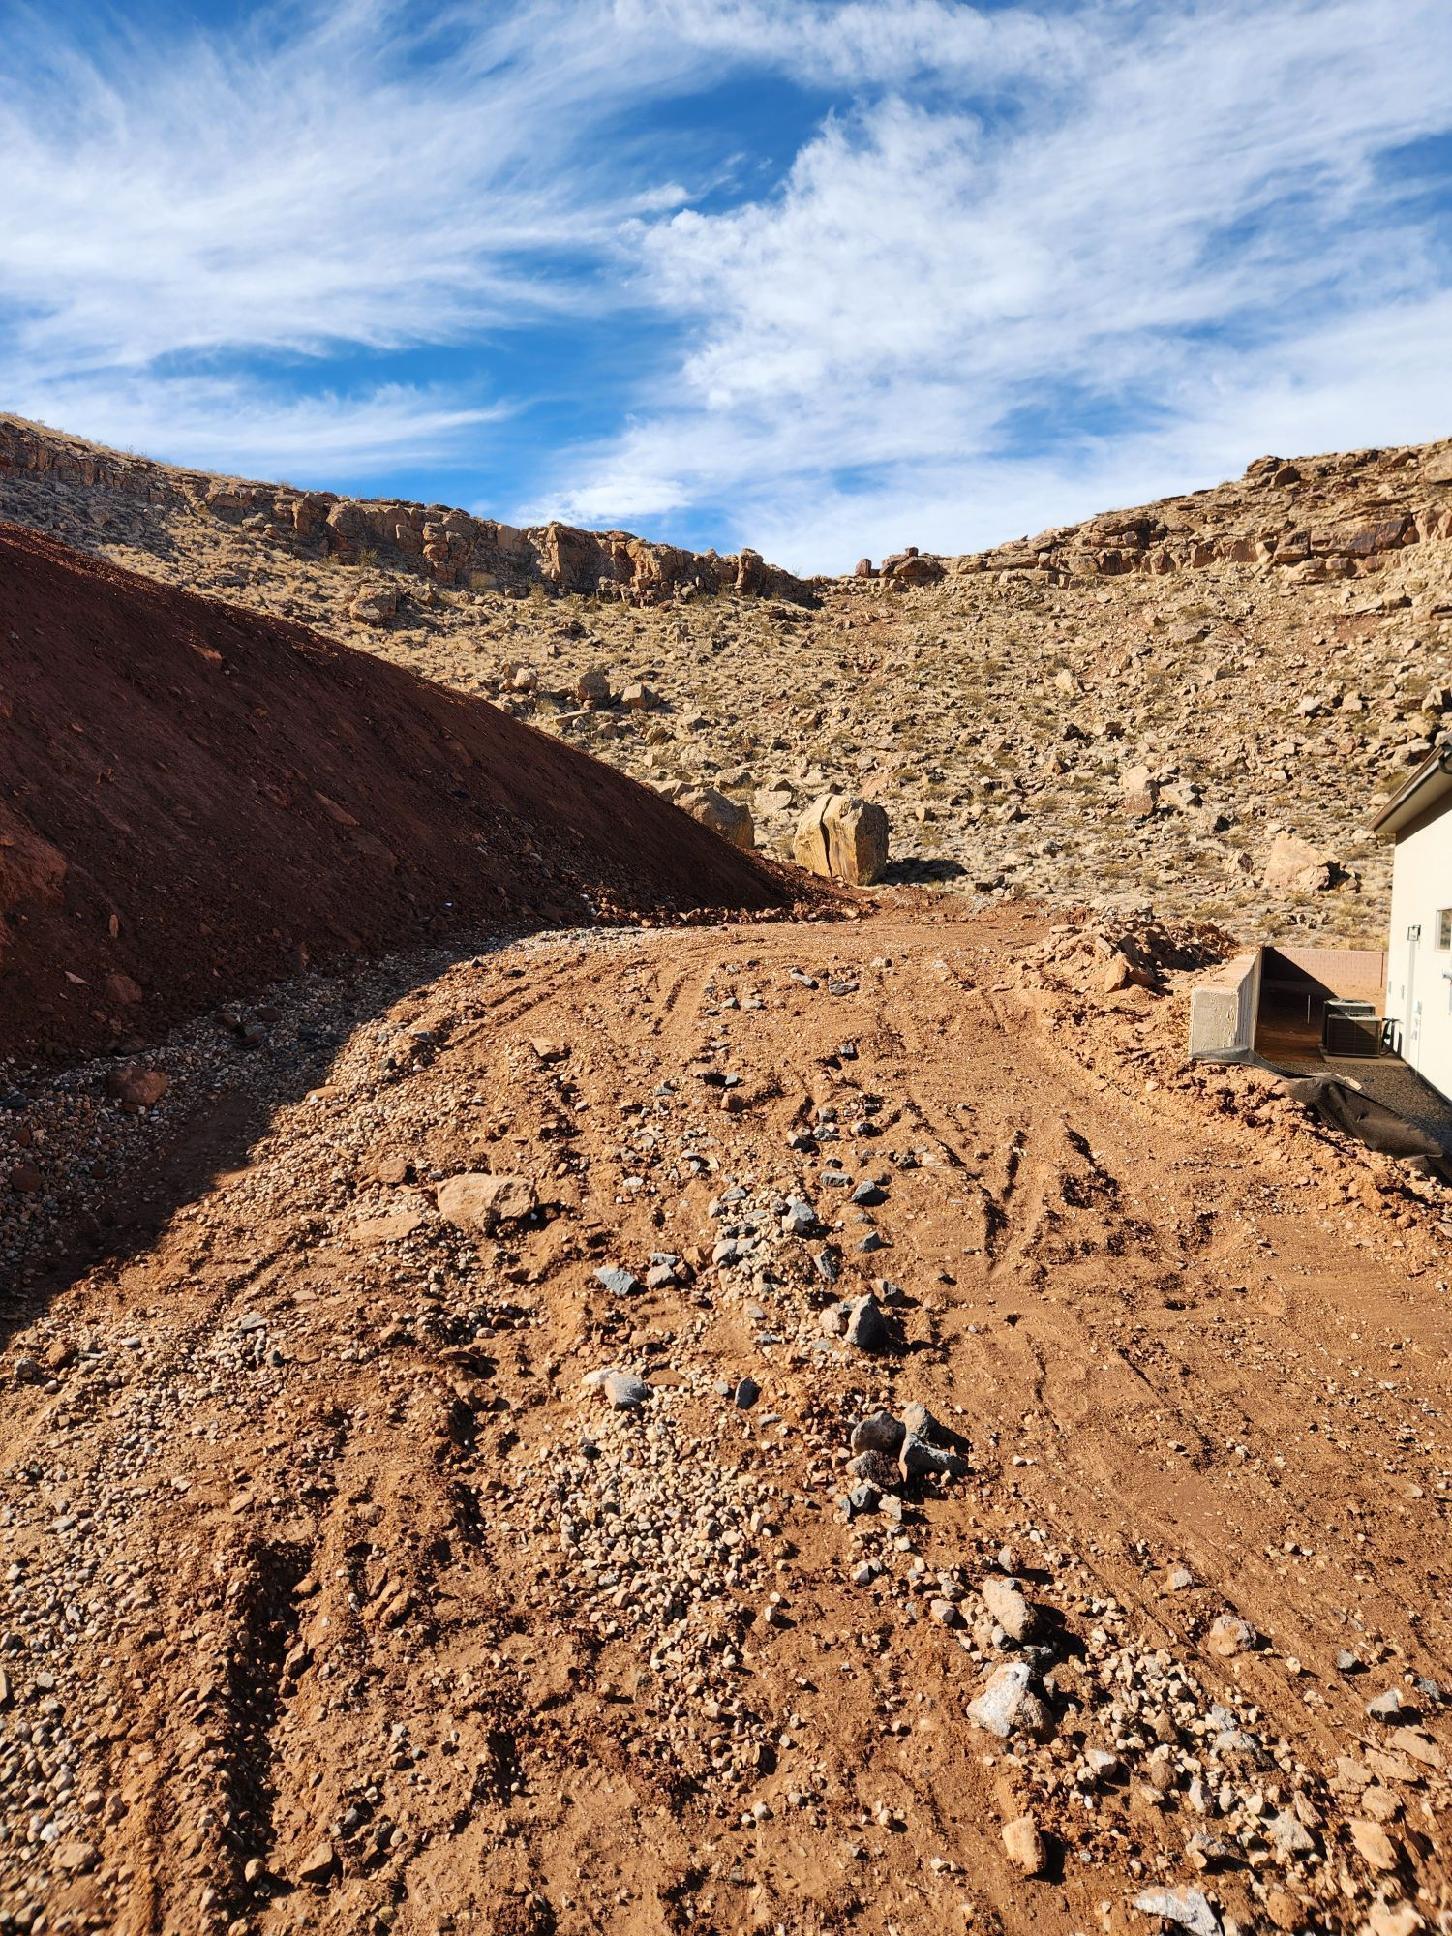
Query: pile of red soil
pixel 196 800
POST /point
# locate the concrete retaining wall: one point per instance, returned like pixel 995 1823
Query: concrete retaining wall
pixel 1223 1010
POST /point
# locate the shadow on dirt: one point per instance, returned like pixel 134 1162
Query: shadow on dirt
pixel 112 1175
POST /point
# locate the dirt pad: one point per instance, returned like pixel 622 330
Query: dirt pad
pixel 195 800
pixel 342 1589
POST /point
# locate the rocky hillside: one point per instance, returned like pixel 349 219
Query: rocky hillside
pixel 1195 704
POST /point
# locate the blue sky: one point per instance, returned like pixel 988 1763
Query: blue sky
pixel 822 276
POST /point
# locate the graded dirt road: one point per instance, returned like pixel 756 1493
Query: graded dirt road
pixel 335 1597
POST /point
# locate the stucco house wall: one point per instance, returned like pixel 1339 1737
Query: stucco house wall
pixel 1419 943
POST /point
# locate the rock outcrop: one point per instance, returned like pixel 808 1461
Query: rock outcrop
pixel 445 546
pixel 1321 518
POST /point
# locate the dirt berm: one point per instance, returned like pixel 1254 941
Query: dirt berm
pixel 195 800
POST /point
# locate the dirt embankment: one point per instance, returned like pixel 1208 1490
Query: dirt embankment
pixel 195 800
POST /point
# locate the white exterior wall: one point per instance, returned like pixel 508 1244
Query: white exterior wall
pixel 1419 973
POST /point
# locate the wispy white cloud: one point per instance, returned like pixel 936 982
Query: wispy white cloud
pixel 314 180
pixel 239 426
pixel 1102 274
pixel 1028 254
pixel 182 222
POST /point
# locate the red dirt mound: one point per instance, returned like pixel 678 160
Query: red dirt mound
pixel 195 800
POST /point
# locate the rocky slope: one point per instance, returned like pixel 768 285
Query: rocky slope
pixel 196 799
pixel 1128 712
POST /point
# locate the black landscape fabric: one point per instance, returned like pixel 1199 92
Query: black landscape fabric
pixel 1377 1126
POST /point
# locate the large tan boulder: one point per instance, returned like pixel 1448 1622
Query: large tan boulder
pixel 714 810
pixel 843 838
pixel 1295 866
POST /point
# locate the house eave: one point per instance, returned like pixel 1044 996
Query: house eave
pixel 1427 788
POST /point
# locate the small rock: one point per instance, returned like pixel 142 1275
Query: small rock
pixel 76 1857
pixel 1025 1845
pixel 746 1394
pixel 1229 1635
pixel 866 1326
pixel 1187 1907
pixel 624 1390
pixel 878 1432
pixel 1393 1919
pixel 479 1201
pixel 1373 1844
pixel 918 1459
pixel 1006 1605
pixel 1007 1703
pixel 800 1219
pixel 319 1864
pixel 619 1282
pixel 140 1088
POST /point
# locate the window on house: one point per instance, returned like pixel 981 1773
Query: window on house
pixel 1444 927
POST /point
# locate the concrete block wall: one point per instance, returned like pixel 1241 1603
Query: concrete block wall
pixel 1223 1009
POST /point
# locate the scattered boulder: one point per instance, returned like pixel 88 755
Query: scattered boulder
pixel 1139 793
pixel 374 605
pixel 911 567
pixel 842 837
pixel 139 1088
pixel 592 689
pixel 723 816
pixel 480 1201
pixel 1295 866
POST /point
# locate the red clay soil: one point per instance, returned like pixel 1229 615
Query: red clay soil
pixel 195 800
